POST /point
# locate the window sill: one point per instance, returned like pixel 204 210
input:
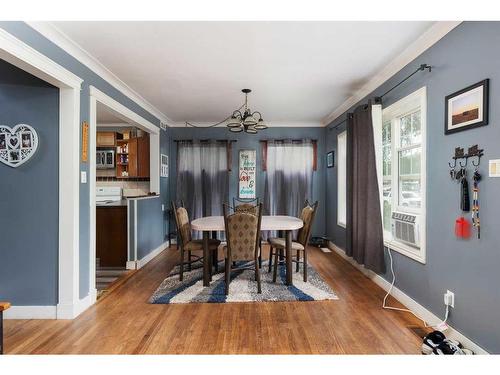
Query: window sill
pixel 406 250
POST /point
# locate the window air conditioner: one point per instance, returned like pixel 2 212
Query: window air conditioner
pixel 406 228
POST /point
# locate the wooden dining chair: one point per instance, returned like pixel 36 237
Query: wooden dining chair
pixel 278 245
pixel 252 206
pixel 186 242
pixel 243 237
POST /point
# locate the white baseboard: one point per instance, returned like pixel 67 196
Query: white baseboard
pixel 31 312
pixel 409 302
pixel 135 265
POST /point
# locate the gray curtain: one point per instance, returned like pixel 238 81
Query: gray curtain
pixel 288 178
pixel 202 177
pixel 365 241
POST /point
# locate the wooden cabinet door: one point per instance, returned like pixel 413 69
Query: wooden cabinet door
pixel 111 236
pixel 105 139
pixel 133 149
pixel 143 156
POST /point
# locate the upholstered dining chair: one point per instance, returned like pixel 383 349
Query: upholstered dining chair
pixel 278 245
pixel 243 238
pixel 186 242
pixel 251 205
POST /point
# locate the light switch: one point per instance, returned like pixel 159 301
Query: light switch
pixel 163 207
pixel 494 168
pixel 83 177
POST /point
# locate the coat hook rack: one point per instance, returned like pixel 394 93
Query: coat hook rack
pixel 473 151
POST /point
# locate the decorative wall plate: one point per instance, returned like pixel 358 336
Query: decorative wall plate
pixel 17 144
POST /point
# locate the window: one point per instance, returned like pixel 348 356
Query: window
pixel 342 179
pixel 289 175
pixel 402 162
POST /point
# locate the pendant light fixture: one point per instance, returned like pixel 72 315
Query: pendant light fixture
pixel 241 120
pixel 247 121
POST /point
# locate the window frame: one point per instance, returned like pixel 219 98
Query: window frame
pixel 342 164
pixel 393 113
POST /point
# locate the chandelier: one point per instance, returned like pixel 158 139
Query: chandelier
pixel 247 121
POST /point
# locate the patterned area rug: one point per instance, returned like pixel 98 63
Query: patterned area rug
pixel 243 287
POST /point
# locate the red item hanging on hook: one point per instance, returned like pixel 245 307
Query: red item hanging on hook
pixel 462 228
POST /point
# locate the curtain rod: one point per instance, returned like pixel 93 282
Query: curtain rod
pixel 205 140
pixel 378 99
pixel 421 68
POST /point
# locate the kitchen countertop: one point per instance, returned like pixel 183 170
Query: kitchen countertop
pixel 120 203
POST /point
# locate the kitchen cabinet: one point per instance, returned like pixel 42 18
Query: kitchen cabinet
pixel 106 139
pixel 137 164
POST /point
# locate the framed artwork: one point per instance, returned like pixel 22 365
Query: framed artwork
pixel 164 166
pixel 246 176
pixel 467 108
pixel 330 160
pixel 17 144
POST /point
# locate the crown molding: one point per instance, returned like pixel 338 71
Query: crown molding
pixel 56 36
pixel 424 42
pixel 276 124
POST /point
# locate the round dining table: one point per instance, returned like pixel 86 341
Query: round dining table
pixel 212 224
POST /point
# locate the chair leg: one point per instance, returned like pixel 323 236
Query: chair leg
pixel 189 258
pixel 181 271
pixel 305 265
pixel 227 275
pixel 215 260
pixel 257 276
pixel 275 271
pixel 270 258
pixel 260 254
pixel 298 261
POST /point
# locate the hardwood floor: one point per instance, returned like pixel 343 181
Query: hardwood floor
pixel 124 322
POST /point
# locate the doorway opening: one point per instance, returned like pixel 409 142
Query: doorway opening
pixel 124 165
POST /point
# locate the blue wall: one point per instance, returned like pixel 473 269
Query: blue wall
pixel 29 193
pixel 248 141
pixel 29 36
pixel 469 268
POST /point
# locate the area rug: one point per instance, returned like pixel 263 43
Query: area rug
pixel 243 287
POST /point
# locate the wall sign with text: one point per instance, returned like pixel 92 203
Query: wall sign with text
pixel 247 170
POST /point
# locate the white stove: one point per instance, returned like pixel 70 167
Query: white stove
pixel 108 194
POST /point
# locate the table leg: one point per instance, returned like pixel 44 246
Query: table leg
pixel 288 235
pixel 215 260
pixel 206 260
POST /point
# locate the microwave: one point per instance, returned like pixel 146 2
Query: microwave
pixel 105 159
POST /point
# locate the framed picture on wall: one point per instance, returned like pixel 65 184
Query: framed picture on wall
pixel 330 159
pixel 467 108
pixel 164 166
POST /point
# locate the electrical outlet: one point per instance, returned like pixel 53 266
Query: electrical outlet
pixel 449 299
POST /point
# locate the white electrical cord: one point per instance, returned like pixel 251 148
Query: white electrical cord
pixel 385 306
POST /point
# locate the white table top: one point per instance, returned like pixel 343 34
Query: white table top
pixel 216 223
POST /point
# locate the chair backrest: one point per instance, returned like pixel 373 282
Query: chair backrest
pixel 243 233
pixel 307 216
pixel 182 223
pixel 246 207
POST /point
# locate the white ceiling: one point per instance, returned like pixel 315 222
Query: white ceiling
pixel 299 71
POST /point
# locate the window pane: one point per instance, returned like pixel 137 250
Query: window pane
pixel 405 130
pixel 416 134
pixel 342 178
pixel 386 160
pixel 409 178
pixel 387 197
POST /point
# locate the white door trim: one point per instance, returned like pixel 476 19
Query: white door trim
pixel 21 55
pixel 130 117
